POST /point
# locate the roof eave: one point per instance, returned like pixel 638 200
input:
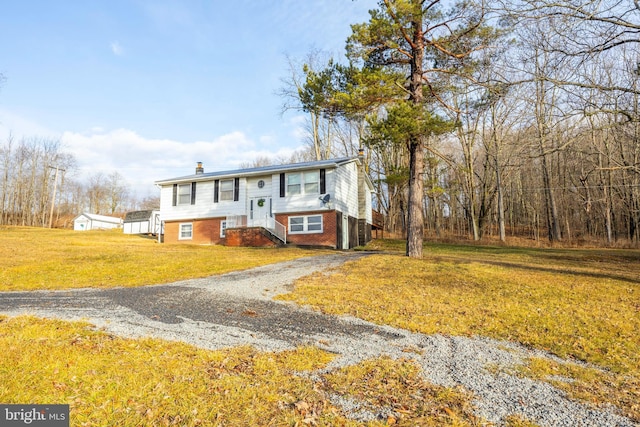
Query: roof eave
pixel 269 170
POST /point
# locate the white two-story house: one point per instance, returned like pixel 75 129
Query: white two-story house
pixel 323 203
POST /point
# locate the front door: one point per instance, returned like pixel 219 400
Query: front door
pixel 261 211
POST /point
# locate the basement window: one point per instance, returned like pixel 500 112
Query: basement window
pixel 186 232
pixel 223 228
pixel 305 224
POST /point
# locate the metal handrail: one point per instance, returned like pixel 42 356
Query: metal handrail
pixel 268 223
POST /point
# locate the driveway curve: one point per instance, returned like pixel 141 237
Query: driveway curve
pixel 238 309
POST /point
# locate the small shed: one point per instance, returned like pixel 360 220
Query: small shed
pixel 142 222
pixel 87 221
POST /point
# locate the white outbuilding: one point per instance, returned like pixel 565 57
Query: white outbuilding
pixel 142 222
pixel 87 221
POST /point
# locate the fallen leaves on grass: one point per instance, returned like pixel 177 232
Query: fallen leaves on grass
pixel 577 304
pixel 116 381
pixel 396 387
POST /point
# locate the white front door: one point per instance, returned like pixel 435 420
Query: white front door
pixel 261 211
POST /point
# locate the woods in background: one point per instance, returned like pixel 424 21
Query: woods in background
pixel 514 118
pixel 33 170
pixel 526 116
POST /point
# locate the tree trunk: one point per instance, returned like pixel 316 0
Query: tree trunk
pixel 501 227
pixel 415 220
pixel 415 223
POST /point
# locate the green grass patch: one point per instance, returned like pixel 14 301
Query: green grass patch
pixel 578 304
pixel 36 258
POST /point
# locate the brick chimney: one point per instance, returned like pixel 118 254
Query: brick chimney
pixel 199 168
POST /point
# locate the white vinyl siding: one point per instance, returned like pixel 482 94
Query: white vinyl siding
pixel 204 206
pixel 186 231
pixel 345 190
pixel 305 224
pixel 184 194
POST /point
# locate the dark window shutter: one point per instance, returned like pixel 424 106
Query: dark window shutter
pixel 282 185
pixel 175 195
pixel 323 181
pixel 193 193
pixel 216 190
pixel 236 189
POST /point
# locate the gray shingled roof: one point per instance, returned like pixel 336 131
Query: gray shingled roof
pixel 331 163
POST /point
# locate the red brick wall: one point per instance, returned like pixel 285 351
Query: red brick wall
pixel 205 232
pixel 327 238
pixel 254 237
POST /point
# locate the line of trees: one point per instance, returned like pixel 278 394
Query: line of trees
pixel 520 119
pixel 32 170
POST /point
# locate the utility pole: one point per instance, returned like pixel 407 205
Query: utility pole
pixel 55 187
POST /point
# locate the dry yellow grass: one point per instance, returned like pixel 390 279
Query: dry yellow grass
pixel 36 258
pixel 114 381
pixel 108 380
pixel 580 304
pixel 398 386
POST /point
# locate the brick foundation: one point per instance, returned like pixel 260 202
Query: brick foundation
pixel 205 232
pixel 326 239
pixel 252 237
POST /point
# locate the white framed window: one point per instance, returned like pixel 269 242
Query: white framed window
pixel 305 224
pixel 223 228
pixel 303 183
pixel 293 184
pixel 311 182
pixel 184 194
pixel 226 190
pixel 314 223
pixel 185 231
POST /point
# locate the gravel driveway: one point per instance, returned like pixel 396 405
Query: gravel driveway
pixel 237 309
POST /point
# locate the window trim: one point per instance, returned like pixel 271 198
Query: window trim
pixel 180 231
pixel 229 193
pixel 186 195
pixel 318 182
pixel 235 190
pixel 305 224
pixel 223 228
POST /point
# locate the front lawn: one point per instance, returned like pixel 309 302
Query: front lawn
pixel 37 258
pixel 583 305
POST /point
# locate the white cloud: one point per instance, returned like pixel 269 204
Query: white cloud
pixel 141 161
pixel 117 49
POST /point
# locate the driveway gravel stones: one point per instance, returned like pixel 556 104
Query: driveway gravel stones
pixel 237 309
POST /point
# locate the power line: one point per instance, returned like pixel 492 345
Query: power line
pixel 55 187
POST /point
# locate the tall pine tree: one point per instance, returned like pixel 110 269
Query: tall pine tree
pixel 426 43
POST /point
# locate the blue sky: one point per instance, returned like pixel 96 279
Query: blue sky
pixel 147 88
